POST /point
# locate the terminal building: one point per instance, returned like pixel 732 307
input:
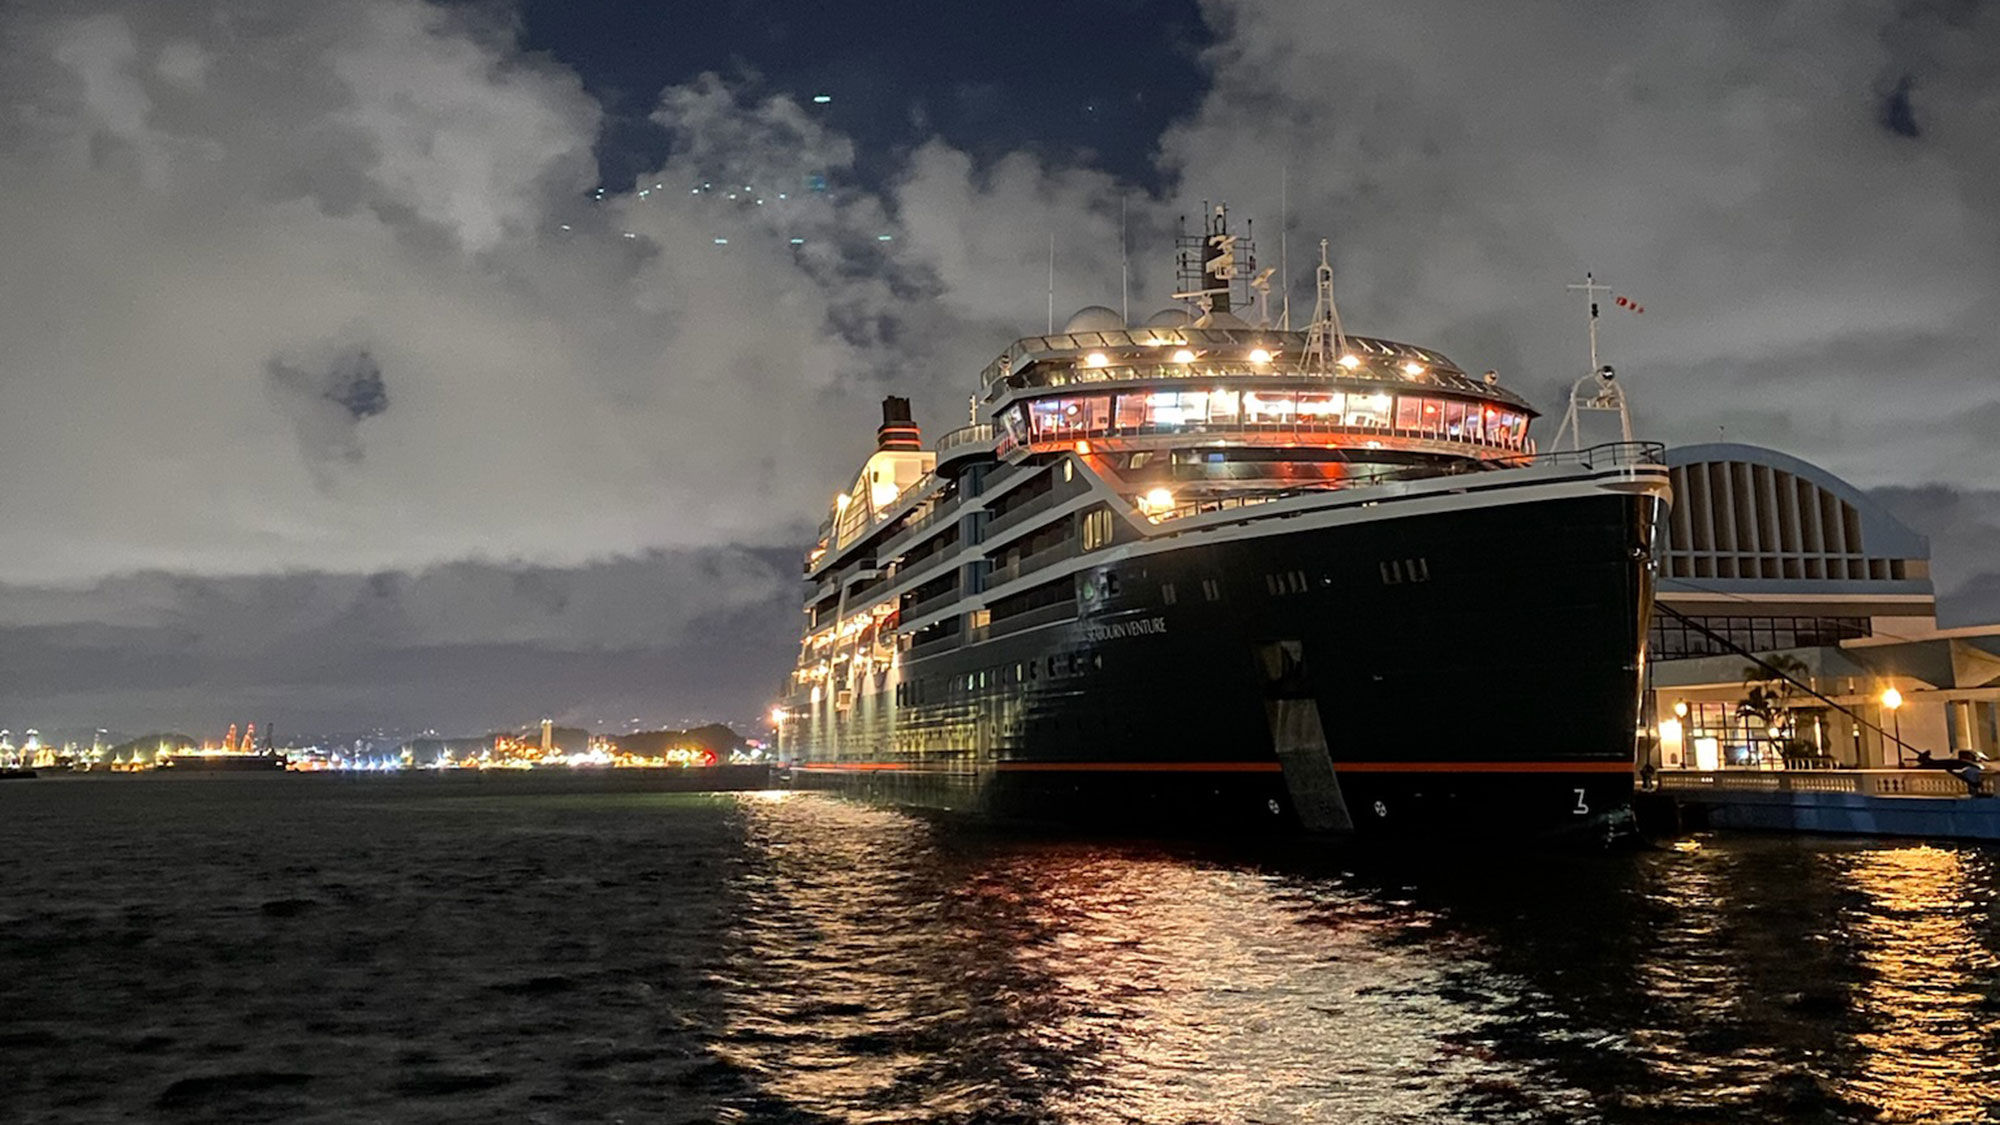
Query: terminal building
pixel 1764 554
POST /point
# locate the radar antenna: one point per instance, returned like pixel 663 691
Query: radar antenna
pixel 1324 331
pixel 1598 390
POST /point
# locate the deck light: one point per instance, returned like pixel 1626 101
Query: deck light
pixel 778 715
pixel 1892 699
pixel 1413 368
pixel 1260 355
pixel 1681 708
pixel 1158 500
pixel 1184 356
pixel 1097 359
pixel 1349 361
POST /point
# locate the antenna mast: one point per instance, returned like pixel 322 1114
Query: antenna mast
pixel 1324 331
pixel 1052 283
pixel 1285 246
pixel 1124 264
pixel 1597 390
pixel 1590 289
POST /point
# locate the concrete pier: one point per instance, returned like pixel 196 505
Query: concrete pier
pixel 1904 802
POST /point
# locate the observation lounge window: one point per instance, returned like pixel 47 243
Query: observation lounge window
pixel 1368 410
pixel 1317 409
pixel 1266 407
pixel 1225 407
pixel 1076 416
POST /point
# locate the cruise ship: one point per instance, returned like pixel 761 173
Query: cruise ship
pixel 1198 571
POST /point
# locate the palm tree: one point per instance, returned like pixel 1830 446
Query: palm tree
pixel 1768 692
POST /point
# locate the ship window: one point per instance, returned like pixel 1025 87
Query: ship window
pixel 1320 407
pixel 1365 410
pixel 1175 408
pixel 1167 593
pixel 1476 419
pixel 1211 589
pixel 1268 406
pixel 1224 406
pixel 1097 528
pixel 1409 412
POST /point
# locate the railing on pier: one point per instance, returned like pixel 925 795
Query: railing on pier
pixel 1868 783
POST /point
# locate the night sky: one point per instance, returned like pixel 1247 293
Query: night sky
pixel 375 362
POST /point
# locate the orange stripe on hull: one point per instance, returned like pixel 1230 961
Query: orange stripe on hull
pixel 1482 767
pixel 1253 767
pixel 1146 767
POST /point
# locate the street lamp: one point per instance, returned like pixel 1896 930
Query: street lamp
pixel 1893 700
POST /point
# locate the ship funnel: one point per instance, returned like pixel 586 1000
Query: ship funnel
pixel 897 431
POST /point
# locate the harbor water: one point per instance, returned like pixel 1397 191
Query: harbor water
pixel 533 948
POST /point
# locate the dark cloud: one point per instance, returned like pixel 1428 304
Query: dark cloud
pixel 1899 115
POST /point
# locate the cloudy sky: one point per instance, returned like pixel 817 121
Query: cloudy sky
pixel 442 365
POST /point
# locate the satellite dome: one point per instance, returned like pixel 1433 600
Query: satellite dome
pixel 1095 318
pixel 1224 319
pixel 1169 318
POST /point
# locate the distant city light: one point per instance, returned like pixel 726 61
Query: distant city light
pixel 822 99
pixel 722 242
pixel 883 237
pixel 798 242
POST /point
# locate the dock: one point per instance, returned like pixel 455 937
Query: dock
pixel 1880 802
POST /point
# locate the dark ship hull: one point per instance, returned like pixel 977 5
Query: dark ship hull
pixel 1474 666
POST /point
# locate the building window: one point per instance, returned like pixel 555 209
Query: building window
pixel 1674 638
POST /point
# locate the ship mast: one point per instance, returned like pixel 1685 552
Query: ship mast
pixel 1324 331
pixel 1597 390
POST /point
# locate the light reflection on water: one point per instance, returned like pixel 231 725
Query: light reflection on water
pixel 1924 937
pixel 290 950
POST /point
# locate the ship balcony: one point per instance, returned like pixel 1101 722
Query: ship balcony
pixel 940 514
pixel 1029 564
pixel 1018 516
pixel 1030 618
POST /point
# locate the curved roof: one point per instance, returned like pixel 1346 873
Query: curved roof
pixel 1881 533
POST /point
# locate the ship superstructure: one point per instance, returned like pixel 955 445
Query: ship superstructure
pixel 1200 568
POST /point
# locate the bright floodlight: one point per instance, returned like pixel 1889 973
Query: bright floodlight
pixel 1259 355
pixel 1413 368
pixel 1892 699
pixel 1158 500
pixel 1184 356
pixel 1349 361
pixel 1097 359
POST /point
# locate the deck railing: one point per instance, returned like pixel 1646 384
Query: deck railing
pixel 1868 783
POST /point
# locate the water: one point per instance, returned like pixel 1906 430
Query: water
pixel 301 948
